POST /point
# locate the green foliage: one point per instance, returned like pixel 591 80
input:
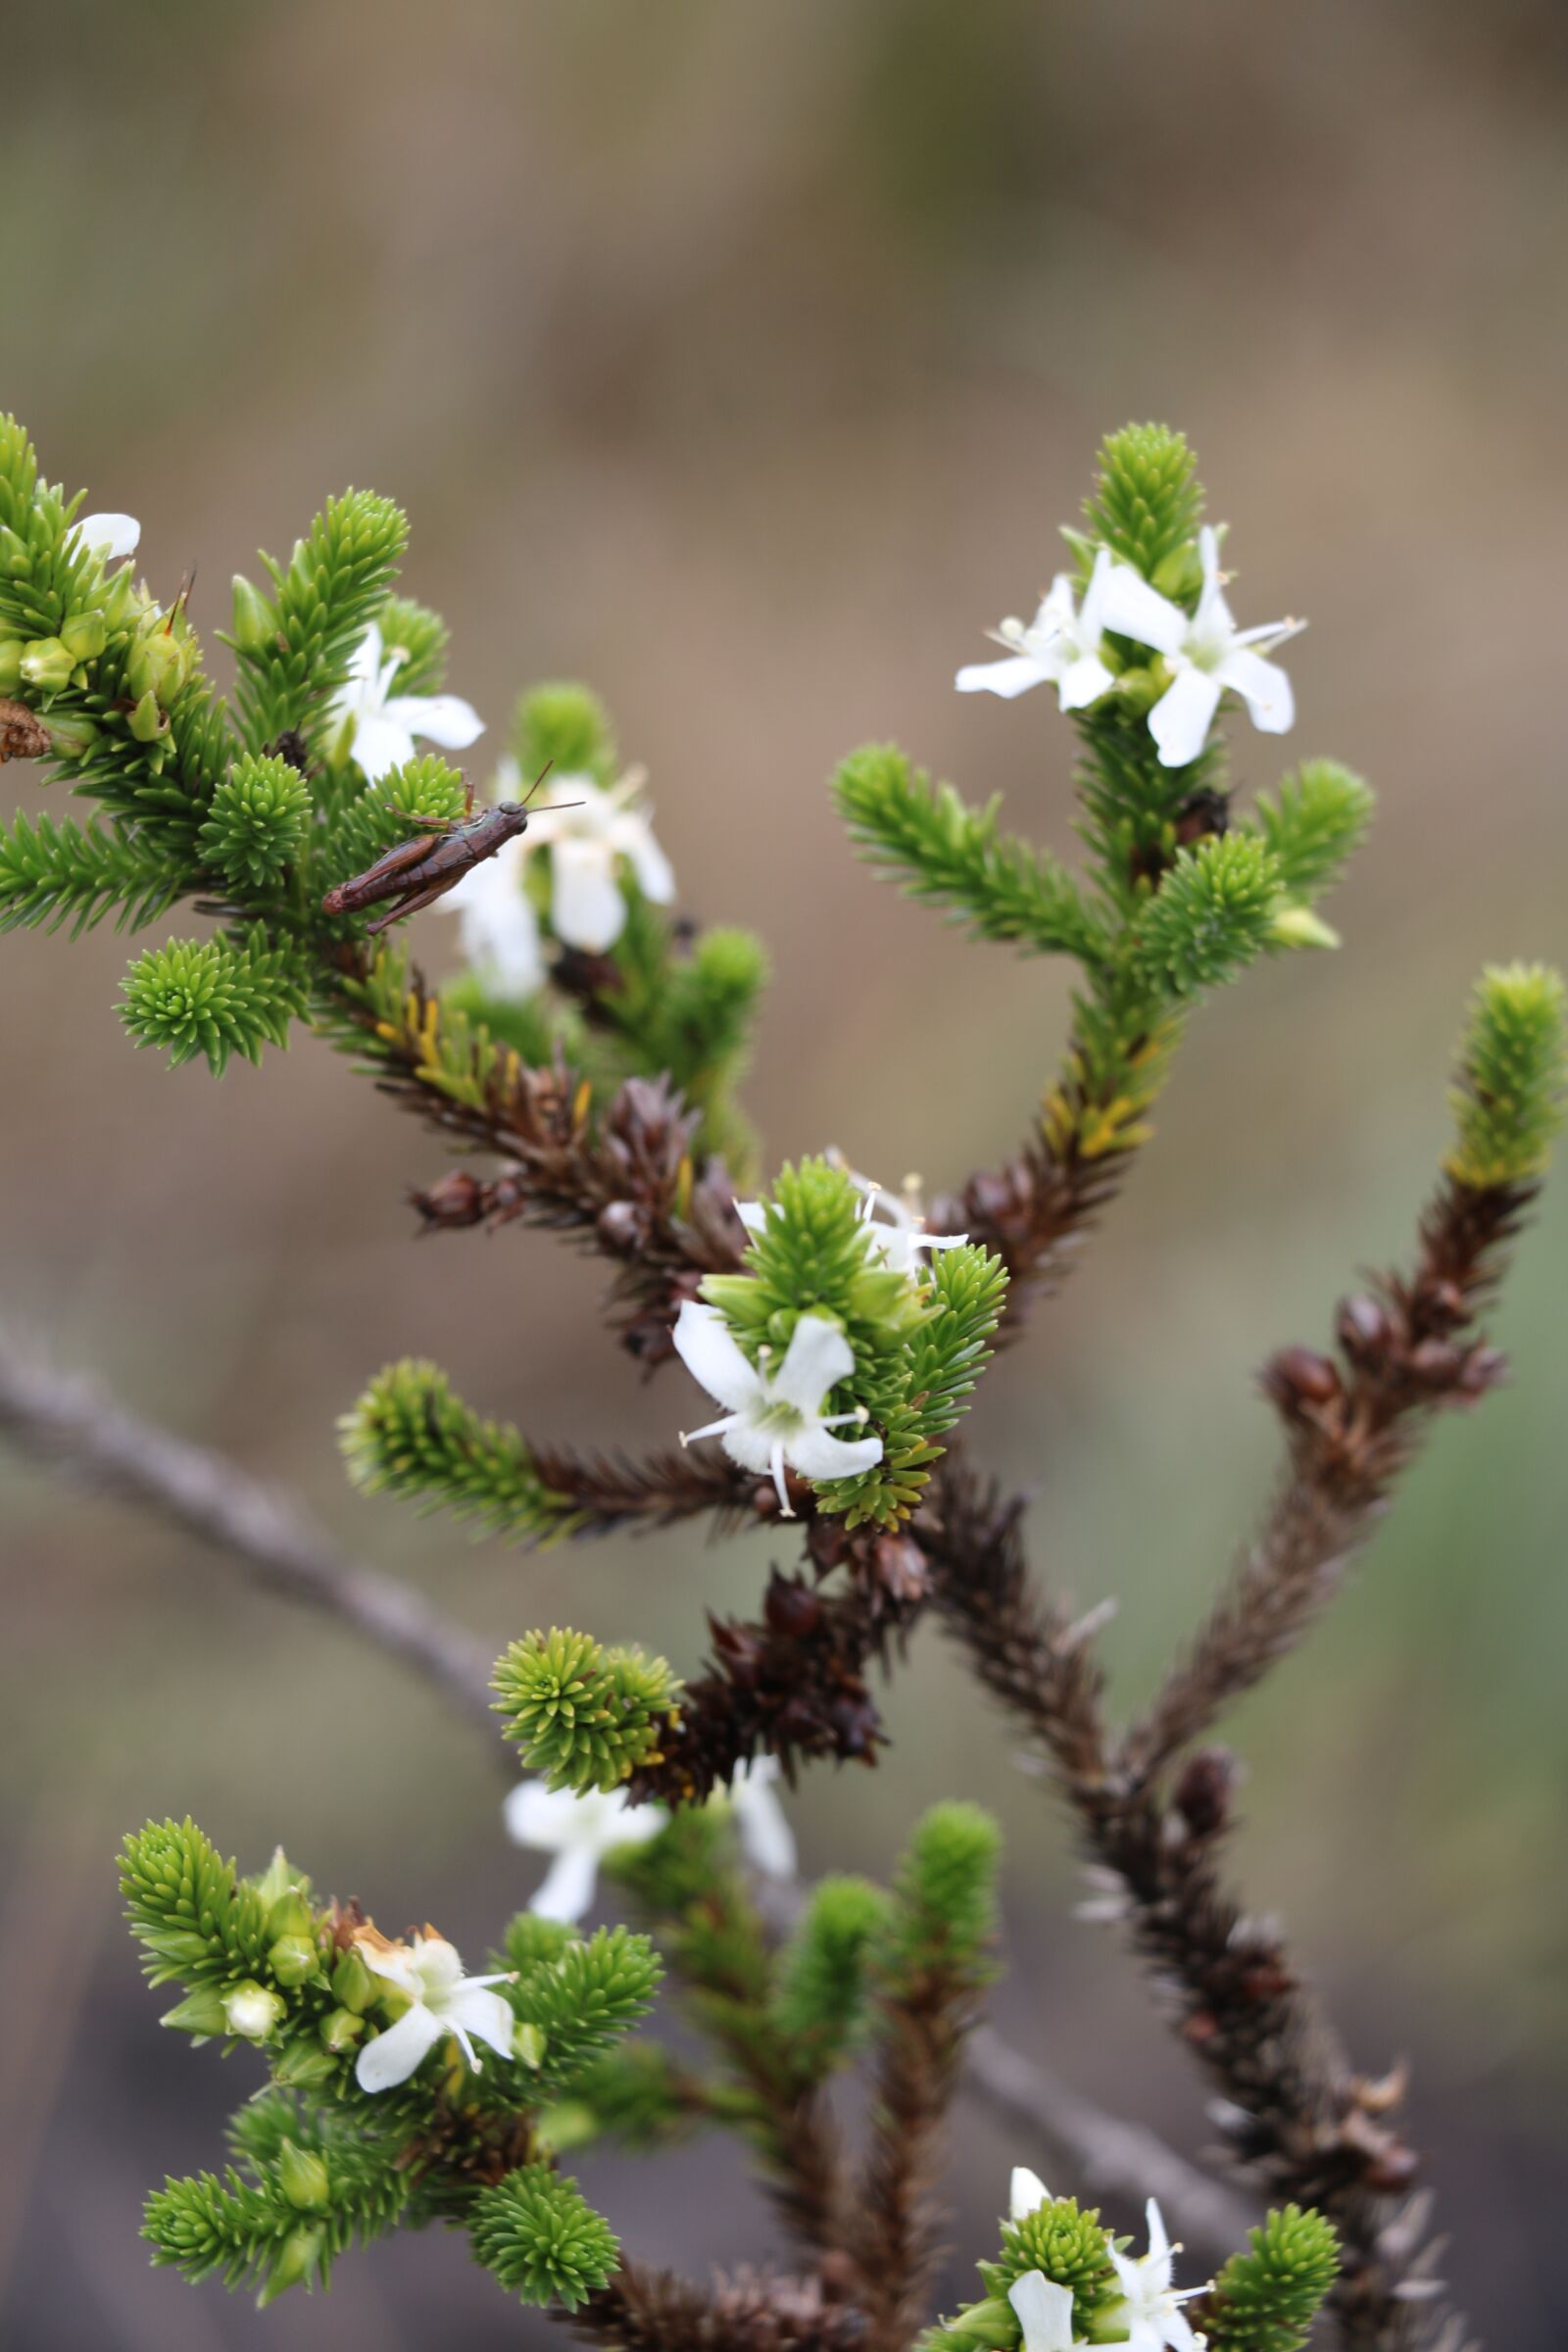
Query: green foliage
pixel 211 996
pixel 410 1435
pixel 294 650
pixel 1319 820
pixel 45 575
pixel 582 2002
pixel 584 1716
pixel 1071 2248
pixel 196 1919
pixel 825 1971
pixel 635 2094
pixel 564 726
pixel 422 637
pixel 1508 1099
pixel 948 854
pixel 257 821
pixel 539 2235
pixel 1210 916
pixel 1265 2300
pixel 1147 504
pixel 945 1896
pixel 55 873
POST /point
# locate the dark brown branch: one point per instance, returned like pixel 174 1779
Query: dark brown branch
pixel 654 2310
pixel 898 2219
pixel 621 1491
pixel 1035 1213
pixel 69 1421
pixel 1406 1351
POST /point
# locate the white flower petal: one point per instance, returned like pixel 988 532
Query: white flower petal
pixel 766 1839
pixel 436 1964
pixel 1180 720
pixel 1091 612
pixel 1158 2238
pixel 817 1356
pixel 1130 608
pixel 1084 681
pixel 473 2010
pixel 568 1887
pixel 586 907
pixel 443 718
pixel 112 536
pixel 1265 688
pixel 538 1816
pixel 1044 2312
pixel 1026 2193
pixel 633 836
pixel 711 1355
pixel 1008 678
pixel 380 742
pixel 393 2056
pixel 753 1449
pixel 394 1962
pixel 817 1453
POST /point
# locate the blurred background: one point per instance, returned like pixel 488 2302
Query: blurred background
pixel 744 359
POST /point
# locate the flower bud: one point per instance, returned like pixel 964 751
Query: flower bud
pixel 528 2045
pixel 295 2264
pixel 987 2323
pixel 251 2011
pixel 303 2069
pixel 279 1879
pixel 1180 574
pixel 10 665
pixel 1142 687
pixel 70 737
pixel 304 2178
pixel 293 1959
pixel 352 1984
pixel 340 2031
pixel 201 2012
pixel 290 1915
pixel 147 720
pixel 47 665
pixel 255 623
pixel 1300 927
pixel 84 636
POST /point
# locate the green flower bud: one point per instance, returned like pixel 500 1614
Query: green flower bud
pixel 303 2069
pixel 1141 688
pixel 1300 927
pixel 47 665
pixel 147 720
pixel 84 636
pixel 293 1960
pixel 352 1984
pixel 255 621
pixel 72 737
pixel 11 650
pixel 529 2043
pixel 290 1915
pixel 1180 574
pixel 295 2264
pixel 162 659
pixel 251 2011
pixel 990 2322
pixel 304 2178
pixel 281 1878
pixel 201 2012
pixel 340 2031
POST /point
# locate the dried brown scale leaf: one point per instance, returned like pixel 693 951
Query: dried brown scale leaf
pixel 1406 1349
pixel 1033 1212
pixel 794 1685
pixel 654 2310
pixel 1295 2113
pixel 22 734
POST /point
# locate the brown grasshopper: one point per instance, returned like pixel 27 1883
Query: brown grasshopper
pixel 416 872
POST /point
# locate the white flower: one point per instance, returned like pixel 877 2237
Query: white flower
pixel 894 1223
pixel 1045 2314
pixel 1207 654
pixel 579 1830
pixel 775 1417
pixel 497 923
pixel 1026 2193
pixel 442 2000
pixel 381 726
pixel 111 536
pixel 1060 645
pixel 766 1839
pixel 252 2011
pixel 587 843
pixel 1151 2313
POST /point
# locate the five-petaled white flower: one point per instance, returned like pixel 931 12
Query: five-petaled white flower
pixel 588 836
pixel 1152 2312
pixel 1059 647
pixel 442 2000
pixel 579 1830
pixel 111 536
pixel 497 923
pixel 1206 653
pixel 1045 2314
pixel 766 1839
pixel 774 1415
pixel 380 726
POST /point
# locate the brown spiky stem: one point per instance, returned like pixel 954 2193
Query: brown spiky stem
pixel 654 2311
pixel 1035 1213
pixel 898 2219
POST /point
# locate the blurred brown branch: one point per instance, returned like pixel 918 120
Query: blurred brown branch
pixel 68 1422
